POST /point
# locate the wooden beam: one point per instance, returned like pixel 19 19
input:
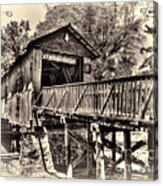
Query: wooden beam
pixel 107 99
pixel 80 98
pixel 80 140
pixel 79 159
pixel 114 146
pixel 99 151
pixel 89 152
pixel 50 99
pixel 135 147
pixel 148 97
pixel 127 157
pixel 67 75
pixel 38 98
pixel 110 145
pixel 67 151
pixel 58 105
pixel 152 157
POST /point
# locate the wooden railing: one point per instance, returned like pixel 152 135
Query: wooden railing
pixel 127 97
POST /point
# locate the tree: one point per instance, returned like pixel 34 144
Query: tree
pixel 110 27
pixel 58 16
pixel 149 50
pixel 14 38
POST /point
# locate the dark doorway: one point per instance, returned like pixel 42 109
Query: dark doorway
pixel 56 73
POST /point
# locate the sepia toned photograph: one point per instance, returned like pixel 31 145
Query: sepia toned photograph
pixel 79 85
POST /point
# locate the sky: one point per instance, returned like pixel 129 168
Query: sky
pixel 36 13
pixel 32 12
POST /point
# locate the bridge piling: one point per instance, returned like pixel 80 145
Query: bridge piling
pixel 152 149
pixel 127 158
pixel 67 149
pixel 99 151
pixel 89 153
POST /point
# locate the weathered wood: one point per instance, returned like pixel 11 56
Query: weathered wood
pixel 107 99
pixel 118 98
pixel 37 67
pixel 140 95
pixel 38 98
pixel 50 99
pixel 79 159
pixel 135 147
pixel 111 145
pixel 67 148
pixel 80 140
pixel 80 98
pixel 114 145
pixel 89 152
pixel 147 100
pixel 99 151
pixel 122 98
pixel 134 98
pixel 127 157
pixel 153 153
pixel 80 62
pixel 60 101
pixel 127 98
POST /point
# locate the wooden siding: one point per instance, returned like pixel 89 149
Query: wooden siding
pixel 18 108
pixel 30 67
pixel 10 80
pixel 56 42
pixel 51 56
pixel 37 69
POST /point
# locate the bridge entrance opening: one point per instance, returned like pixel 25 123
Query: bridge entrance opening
pixel 56 73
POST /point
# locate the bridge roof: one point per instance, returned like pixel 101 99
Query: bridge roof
pixel 69 29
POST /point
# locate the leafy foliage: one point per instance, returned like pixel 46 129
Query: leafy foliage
pixel 111 28
pixel 14 38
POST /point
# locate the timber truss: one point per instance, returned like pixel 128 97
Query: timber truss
pixel 87 113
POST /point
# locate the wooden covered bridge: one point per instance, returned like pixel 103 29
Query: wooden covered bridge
pixel 45 90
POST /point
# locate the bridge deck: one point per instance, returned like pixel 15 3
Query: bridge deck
pixel 127 98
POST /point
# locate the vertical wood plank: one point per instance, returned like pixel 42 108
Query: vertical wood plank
pixel 153 154
pixel 89 154
pixel 37 68
pixel 118 98
pixel 122 98
pixel 127 149
pixel 114 144
pixel 134 98
pixel 131 98
pixel 126 99
pixel 99 151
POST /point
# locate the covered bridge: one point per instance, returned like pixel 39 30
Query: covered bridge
pixel 58 57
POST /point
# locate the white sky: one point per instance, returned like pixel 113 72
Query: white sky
pixel 36 12
pixel 32 12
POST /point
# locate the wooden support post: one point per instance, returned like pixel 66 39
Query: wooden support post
pixel 114 149
pixel 89 153
pixel 127 150
pixel 152 149
pixel 114 144
pixel 67 149
pixel 99 151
